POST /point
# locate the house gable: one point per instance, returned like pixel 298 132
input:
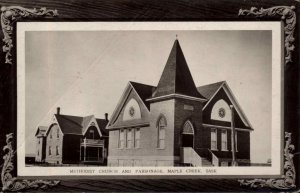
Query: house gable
pixel 92 123
pixel 130 111
pixel 53 122
pixel 222 99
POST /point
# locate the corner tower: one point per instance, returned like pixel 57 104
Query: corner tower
pixel 174 103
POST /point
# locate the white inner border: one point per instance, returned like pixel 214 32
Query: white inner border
pixel 277 96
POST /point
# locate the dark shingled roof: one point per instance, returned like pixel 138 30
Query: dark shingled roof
pixel 176 77
pixel 210 89
pixel 144 91
pixel 41 130
pixel 102 125
pixel 70 124
pixel 76 125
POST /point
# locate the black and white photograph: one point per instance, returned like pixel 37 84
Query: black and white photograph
pixel 168 99
pixel 149 96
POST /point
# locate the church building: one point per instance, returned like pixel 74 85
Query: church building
pixel 178 124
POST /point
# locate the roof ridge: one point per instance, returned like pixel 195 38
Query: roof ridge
pixel 141 83
pixel 69 119
pixel 212 83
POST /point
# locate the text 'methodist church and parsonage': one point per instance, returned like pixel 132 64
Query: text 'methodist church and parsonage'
pixel 176 123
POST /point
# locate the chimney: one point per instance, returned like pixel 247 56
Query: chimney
pixel 58 110
pixel 106 116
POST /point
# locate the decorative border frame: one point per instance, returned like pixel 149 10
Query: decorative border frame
pixel 9 15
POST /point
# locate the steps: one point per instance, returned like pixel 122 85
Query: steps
pixel 189 157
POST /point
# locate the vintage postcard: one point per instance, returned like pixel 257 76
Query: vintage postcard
pixel 150 98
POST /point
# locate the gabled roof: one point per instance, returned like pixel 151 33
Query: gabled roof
pixel 41 131
pixel 70 124
pixel 144 91
pixel 210 89
pixel 77 125
pixel 176 77
pixel 102 124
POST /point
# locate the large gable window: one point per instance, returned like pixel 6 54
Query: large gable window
pixel 121 139
pixel 137 136
pixel 162 124
pixel 129 138
pixel 213 139
pixel 224 140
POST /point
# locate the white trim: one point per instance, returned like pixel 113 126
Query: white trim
pixel 213 95
pixel 121 103
pixel 176 96
pixel 53 122
pixel 139 97
pixel 145 124
pixel 225 127
pixel 118 109
pixel 93 119
pixel 233 100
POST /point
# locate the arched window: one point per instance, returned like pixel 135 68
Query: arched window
pixel 188 128
pixel 162 124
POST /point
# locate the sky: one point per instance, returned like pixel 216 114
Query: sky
pixel 86 72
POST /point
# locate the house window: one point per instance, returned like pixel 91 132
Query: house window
pixel 57 134
pixel 92 134
pixel 50 134
pixel 57 150
pixel 129 138
pixel 38 153
pixel 39 140
pixel 137 135
pixel 213 139
pixel 162 124
pixel 121 138
pixel 224 140
pixel 49 150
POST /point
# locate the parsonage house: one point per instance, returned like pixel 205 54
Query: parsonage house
pixel 177 123
pixel 72 140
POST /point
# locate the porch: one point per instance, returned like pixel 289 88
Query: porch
pixel 92 151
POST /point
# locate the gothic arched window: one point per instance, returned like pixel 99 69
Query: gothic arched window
pixel 162 125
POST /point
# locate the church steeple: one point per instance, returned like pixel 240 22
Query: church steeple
pixel 176 77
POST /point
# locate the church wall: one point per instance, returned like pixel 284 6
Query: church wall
pixel 187 110
pixel 148 154
pixel 207 111
pixel 144 112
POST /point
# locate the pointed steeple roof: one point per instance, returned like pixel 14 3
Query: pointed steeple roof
pixel 176 77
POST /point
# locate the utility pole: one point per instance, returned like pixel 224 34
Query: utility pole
pixel 233 145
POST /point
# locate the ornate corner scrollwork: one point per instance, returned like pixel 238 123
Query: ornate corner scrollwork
pixel 11 14
pixel 288 15
pixel 11 183
pixel 288 179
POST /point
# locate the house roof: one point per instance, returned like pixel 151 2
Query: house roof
pixel 102 124
pixel 176 77
pixel 77 125
pixel 144 91
pixel 41 131
pixel 209 90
